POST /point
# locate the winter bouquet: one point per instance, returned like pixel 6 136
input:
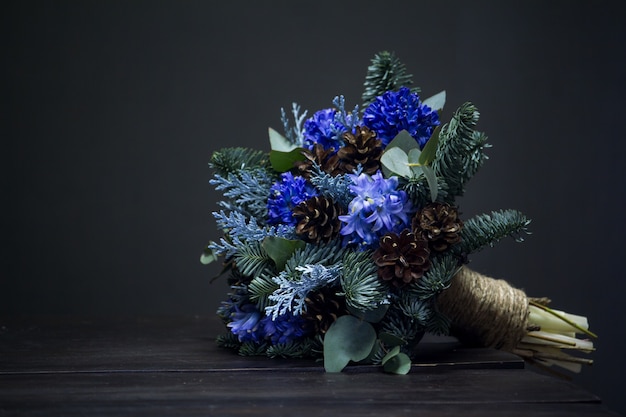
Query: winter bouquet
pixel 345 242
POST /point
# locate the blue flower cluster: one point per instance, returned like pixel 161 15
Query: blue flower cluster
pixel 394 111
pixel 322 128
pixel 285 195
pixel 250 325
pixel 377 208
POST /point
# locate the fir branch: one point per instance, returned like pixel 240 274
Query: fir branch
pixel 328 254
pixel 487 229
pixel 385 73
pixel 337 188
pixel 253 349
pixel 438 323
pixel 228 341
pixel 232 160
pixel 415 308
pixel 293 134
pixel 461 149
pixel 359 280
pixel 294 349
pixel 260 288
pixel 251 259
pixel 248 189
pixel 437 278
pixel 419 192
pixel 402 326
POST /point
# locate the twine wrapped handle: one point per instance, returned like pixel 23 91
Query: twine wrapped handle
pixel 485 311
pixel 491 313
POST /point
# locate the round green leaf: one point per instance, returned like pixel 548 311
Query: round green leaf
pixel 437 101
pixel 398 364
pixel 283 161
pixel 208 256
pixel 373 316
pixel 280 143
pixel 280 249
pixel 396 161
pixel 348 339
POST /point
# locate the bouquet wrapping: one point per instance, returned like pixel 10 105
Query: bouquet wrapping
pixel 345 241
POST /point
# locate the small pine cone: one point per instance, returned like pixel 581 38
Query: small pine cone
pixel 363 148
pixel 318 219
pixel 325 158
pixel 439 224
pixel 323 307
pixel 402 259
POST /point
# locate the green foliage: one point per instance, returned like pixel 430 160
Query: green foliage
pixel 461 150
pixel 396 362
pixel 419 190
pixel 359 280
pixel 232 160
pixel 280 250
pixel 437 278
pixel 228 341
pixel 309 347
pixel 283 161
pixel 487 229
pixel 386 73
pixel 260 288
pixel 311 254
pixel 251 259
pixel 438 323
pixel 253 349
pixel 347 339
pixel 401 326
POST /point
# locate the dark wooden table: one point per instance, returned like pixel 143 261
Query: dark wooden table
pixel 160 366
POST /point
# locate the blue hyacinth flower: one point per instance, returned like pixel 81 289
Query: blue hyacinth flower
pixel 377 208
pixel 285 195
pixel 395 111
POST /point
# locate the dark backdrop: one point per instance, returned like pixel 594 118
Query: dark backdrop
pixel 112 109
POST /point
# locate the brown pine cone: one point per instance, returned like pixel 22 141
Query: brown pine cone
pixel 323 307
pixel 361 148
pixel 402 259
pixel 325 158
pixel 439 224
pixel 318 219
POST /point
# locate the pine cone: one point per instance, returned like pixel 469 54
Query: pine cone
pixel 363 148
pixel 318 219
pixel 323 307
pixel 325 158
pixel 402 259
pixel 439 224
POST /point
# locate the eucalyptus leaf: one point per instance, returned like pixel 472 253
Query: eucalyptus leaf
pixel 280 143
pixel 431 178
pixel 283 161
pixel 430 149
pixel 414 165
pixel 437 101
pixel 347 339
pixel 208 256
pixel 393 352
pixel 280 249
pixel 399 364
pixel 404 141
pixel 373 316
pixel 396 161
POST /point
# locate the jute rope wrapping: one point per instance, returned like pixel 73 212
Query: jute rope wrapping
pixel 485 311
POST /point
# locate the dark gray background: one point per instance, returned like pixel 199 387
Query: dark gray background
pixel 112 109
